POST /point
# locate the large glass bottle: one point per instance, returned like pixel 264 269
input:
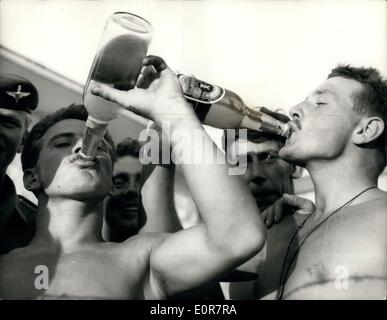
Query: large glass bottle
pixel 117 63
pixel 222 108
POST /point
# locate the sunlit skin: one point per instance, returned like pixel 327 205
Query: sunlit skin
pixel 326 134
pixel 327 120
pixel 61 176
pixel 146 266
pixel 68 238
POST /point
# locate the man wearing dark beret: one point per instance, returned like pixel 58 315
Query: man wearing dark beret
pixel 18 97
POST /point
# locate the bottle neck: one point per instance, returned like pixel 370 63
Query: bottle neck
pixel 94 132
pixel 260 121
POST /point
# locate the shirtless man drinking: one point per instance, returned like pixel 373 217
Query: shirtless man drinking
pixel 68 245
pixel 340 250
pixel 339 136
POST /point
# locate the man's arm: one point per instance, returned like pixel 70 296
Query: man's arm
pixel 232 230
pixel 157 210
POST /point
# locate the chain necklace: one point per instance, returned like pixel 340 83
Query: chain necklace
pixel 285 273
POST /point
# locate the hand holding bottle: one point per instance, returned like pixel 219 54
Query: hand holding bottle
pixel 158 95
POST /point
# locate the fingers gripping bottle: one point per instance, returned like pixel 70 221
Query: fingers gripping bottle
pixel 221 108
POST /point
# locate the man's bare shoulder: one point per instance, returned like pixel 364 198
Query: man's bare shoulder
pixel 141 245
pixel 367 220
pixel 360 229
pixel 23 253
pixel 375 205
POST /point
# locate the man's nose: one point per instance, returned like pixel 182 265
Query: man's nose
pixel 133 183
pixel 295 112
pixel 257 173
pixel 77 147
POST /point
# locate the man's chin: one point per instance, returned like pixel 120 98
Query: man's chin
pixel 85 191
pixel 290 154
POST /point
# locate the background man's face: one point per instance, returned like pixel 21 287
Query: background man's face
pixel 59 177
pixel 267 175
pixel 123 206
pixel 323 123
pixel 12 127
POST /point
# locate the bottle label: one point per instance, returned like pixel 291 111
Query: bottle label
pixel 200 91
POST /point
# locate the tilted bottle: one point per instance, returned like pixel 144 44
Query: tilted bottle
pixel 222 108
pixel 117 63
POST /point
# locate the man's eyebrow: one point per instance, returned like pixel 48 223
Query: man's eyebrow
pixel 322 91
pixel 326 91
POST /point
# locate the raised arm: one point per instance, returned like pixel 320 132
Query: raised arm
pixel 157 210
pixel 232 230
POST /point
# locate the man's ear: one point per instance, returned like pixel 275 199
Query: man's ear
pixel 31 180
pixel 368 130
pixel 297 172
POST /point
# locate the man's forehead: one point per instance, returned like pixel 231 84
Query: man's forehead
pixel 339 87
pixel 128 164
pixel 68 126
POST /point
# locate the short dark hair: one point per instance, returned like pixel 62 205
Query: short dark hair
pixel 32 145
pixel 371 100
pixel 128 147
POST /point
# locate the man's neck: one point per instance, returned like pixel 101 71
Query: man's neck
pixel 68 223
pixel 338 181
pixel 7 200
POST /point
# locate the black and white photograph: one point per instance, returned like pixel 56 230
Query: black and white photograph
pixel 209 151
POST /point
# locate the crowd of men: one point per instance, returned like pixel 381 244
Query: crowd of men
pixel 108 228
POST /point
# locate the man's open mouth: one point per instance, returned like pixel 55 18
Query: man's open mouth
pixel 293 127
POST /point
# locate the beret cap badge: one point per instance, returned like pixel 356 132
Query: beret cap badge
pixel 18 94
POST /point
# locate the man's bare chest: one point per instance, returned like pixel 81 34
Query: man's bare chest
pixel 312 261
pixel 73 276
